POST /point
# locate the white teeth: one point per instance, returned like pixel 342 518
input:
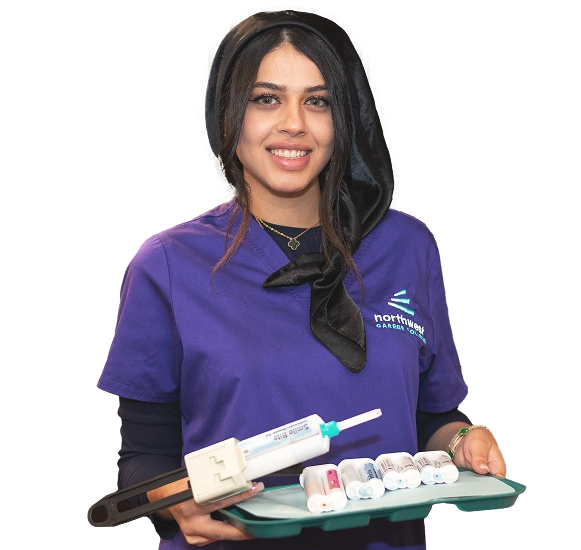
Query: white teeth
pixel 288 153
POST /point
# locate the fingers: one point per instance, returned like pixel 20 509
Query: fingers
pixel 198 526
pixel 496 468
pixel 229 501
pixel 480 467
pixel 257 487
pixel 496 462
pixel 483 455
pixel 204 530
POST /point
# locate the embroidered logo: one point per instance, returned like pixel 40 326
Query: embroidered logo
pixel 399 302
pixel 399 321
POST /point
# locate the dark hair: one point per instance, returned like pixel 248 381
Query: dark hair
pixel 238 87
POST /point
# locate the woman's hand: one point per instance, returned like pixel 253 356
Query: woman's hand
pixel 478 451
pixel 194 519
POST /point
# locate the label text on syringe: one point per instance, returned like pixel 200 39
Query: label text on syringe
pixel 281 436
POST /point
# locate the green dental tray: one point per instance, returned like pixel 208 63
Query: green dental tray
pixel 282 512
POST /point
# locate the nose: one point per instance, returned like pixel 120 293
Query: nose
pixel 292 119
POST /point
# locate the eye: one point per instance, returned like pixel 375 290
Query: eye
pixel 318 101
pixel 265 99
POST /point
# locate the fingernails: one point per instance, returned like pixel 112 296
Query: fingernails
pixel 484 466
pixel 257 487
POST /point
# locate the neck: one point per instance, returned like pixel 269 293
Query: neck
pixel 291 211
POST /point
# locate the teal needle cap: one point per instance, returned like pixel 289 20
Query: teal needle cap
pixel 330 429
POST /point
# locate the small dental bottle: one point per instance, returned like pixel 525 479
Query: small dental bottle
pixel 389 471
pixel 436 467
pixel 372 486
pixel 352 480
pixel 398 471
pixel 333 485
pixel 315 495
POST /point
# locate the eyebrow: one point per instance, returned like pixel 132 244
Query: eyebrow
pixel 278 88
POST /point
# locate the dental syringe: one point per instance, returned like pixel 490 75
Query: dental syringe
pixel 229 467
pixel 293 443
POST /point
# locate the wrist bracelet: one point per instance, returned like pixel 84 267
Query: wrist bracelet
pixel 458 437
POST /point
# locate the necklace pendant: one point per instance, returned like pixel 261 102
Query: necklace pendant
pixel 293 244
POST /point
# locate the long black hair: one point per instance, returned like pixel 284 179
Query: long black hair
pixel 356 185
pixel 232 106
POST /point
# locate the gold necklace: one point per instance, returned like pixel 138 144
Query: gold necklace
pixel 293 242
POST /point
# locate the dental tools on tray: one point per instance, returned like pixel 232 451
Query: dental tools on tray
pixel 328 487
pixel 228 468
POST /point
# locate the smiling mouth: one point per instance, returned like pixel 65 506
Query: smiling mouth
pixel 288 153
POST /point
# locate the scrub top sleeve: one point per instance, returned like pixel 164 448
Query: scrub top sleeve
pixel 144 358
pixel 442 387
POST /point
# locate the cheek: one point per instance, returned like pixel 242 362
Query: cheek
pixel 244 140
pixel 251 135
pixel 326 134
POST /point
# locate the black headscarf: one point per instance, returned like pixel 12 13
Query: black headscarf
pixel 367 183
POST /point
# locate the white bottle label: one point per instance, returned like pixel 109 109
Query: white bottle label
pixel 422 462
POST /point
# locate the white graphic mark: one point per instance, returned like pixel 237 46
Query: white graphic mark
pixel 488 198
pixel 528 232
pixel 455 177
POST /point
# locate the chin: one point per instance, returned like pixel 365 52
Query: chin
pixel 293 186
pixel 294 191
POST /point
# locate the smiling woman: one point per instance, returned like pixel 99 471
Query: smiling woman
pixel 223 318
pixel 286 139
pixel 286 92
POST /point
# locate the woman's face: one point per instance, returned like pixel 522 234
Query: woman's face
pixel 287 131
